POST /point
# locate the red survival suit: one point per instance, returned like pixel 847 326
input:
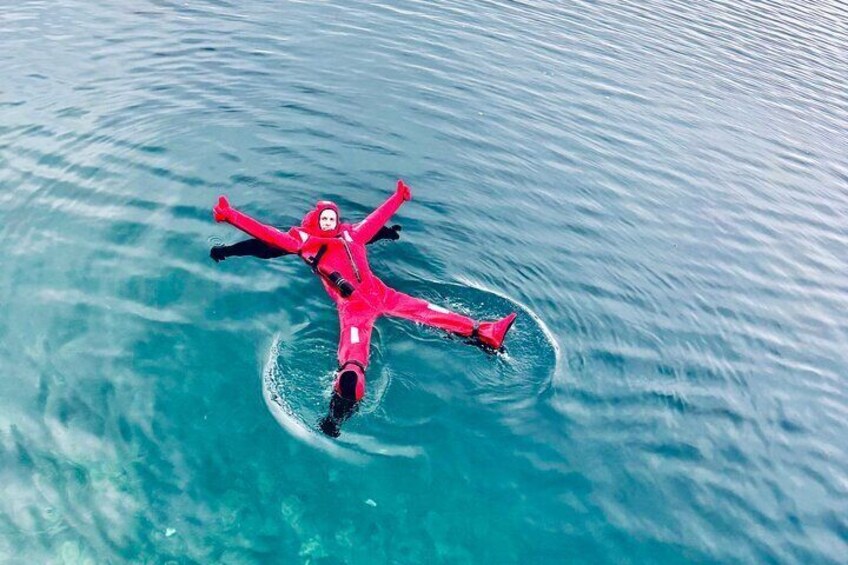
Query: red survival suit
pixel 340 254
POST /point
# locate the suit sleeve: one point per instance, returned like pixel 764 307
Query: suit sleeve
pixel 263 232
pixel 368 228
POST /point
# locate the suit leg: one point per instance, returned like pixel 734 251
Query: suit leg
pixel 356 323
pixel 408 307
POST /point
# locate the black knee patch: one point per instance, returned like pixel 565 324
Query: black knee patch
pixel 347 385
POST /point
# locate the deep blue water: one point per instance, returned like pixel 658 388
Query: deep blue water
pixel 659 188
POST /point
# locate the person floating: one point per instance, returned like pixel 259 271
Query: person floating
pixel 336 253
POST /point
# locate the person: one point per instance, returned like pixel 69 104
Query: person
pixel 336 253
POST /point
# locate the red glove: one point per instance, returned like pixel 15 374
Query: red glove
pixel 221 212
pixel 403 190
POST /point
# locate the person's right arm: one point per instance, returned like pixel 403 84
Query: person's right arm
pixel 223 212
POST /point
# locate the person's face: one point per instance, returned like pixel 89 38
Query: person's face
pixel 327 220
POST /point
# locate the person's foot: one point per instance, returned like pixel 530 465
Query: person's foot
pixel 492 334
pixel 340 410
pixel 330 427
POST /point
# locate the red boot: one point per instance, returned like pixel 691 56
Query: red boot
pixel 491 334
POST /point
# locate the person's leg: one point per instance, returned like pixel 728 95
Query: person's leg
pixel 356 324
pixel 408 307
pixel 489 334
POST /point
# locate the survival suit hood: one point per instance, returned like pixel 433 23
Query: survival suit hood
pixel 310 221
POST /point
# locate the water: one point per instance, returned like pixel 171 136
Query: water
pixel 658 187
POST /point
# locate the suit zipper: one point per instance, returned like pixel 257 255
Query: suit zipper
pixel 352 262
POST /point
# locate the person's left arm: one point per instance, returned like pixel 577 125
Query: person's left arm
pixel 370 226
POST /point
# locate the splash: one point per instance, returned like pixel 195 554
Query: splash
pixel 297 400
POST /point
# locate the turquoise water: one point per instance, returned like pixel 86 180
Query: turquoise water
pixel 661 189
